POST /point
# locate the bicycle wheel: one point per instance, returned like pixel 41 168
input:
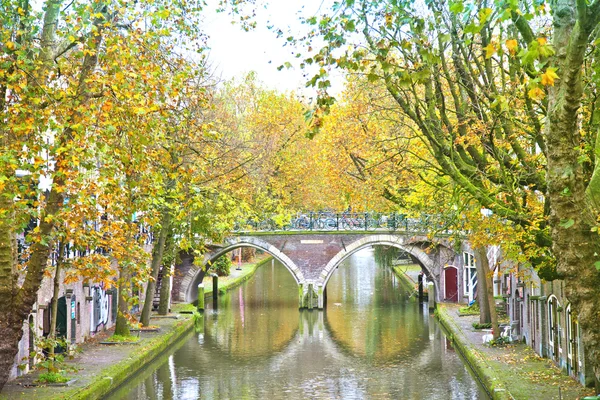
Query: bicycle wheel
pixel 330 224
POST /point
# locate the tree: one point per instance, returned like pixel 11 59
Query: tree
pixel 499 107
pixel 60 78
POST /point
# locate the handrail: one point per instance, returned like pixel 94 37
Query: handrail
pixel 346 221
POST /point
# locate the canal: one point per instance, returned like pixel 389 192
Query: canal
pixel 372 342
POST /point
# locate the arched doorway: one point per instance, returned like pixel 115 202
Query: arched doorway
pixel 451 283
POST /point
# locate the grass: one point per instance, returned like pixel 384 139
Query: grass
pixel 228 282
pixel 470 310
pixel 122 339
pixel 52 377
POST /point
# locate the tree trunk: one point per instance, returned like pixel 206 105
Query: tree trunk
pixel 157 256
pixel 572 215
pixel 487 276
pixel 10 323
pixel 165 290
pixel 122 324
pixel 481 264
pixel 54 305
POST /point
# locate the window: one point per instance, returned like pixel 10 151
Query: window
pixel 469 275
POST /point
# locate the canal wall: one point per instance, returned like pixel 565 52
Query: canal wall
pixel 235 281
pixel 476 360
pixel 408 278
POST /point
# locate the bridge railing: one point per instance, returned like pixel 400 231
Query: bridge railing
pixel 347 221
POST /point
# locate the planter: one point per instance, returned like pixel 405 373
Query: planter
pixel 536 298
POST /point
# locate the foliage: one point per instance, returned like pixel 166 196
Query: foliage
pixel 52 377
pixel 222 265
pixel 45 349
pixel 477 325
pixel 473 309
pixel 384 256
pixel 501 341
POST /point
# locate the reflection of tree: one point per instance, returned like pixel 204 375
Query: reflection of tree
pixel 384 326
pixel 270 316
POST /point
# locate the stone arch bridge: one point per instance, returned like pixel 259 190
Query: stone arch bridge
pixel 312 257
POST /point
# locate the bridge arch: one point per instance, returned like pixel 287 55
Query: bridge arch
pixel 380 240
pixel 189 287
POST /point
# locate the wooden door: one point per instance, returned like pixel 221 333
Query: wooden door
pixel 451 284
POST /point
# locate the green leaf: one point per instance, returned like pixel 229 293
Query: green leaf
pixel 457 7
pixel 372 77
pixel 597 265
pixel 567 224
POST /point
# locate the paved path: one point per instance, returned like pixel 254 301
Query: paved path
pixel 522 373
pixel 91 361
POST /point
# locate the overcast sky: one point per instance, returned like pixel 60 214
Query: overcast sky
pixel 235 52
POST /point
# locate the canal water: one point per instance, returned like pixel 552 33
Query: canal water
pixel 372 342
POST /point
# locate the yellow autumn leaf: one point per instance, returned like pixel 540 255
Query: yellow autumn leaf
pixel 542 41
pixel 536 93
pixel 388 19
pixel 549 76
pixel 10 45
pixel 490 49
pixel 511 45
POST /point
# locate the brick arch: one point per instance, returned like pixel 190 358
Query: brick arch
pixel 381 240
pixel 189 286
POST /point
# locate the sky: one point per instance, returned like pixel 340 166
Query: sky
pixel 234 52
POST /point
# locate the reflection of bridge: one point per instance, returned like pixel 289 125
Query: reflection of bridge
pixel 312 257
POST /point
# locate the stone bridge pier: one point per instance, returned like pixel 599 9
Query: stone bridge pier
pixel 312 258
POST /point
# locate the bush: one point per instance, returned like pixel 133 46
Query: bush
pixel 222 266
pixel 487 325
pixel 501 341
pixel 52 377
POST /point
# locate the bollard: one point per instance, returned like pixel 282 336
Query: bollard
pixel 201 297
pixel 301 296
pixel 215 280
pixel 420 279
pixel 431 295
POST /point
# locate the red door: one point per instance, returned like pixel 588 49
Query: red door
pixel 451 284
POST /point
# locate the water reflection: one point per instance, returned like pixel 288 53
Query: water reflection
pixel 371 342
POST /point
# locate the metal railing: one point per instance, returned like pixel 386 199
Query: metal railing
pixel 346 221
